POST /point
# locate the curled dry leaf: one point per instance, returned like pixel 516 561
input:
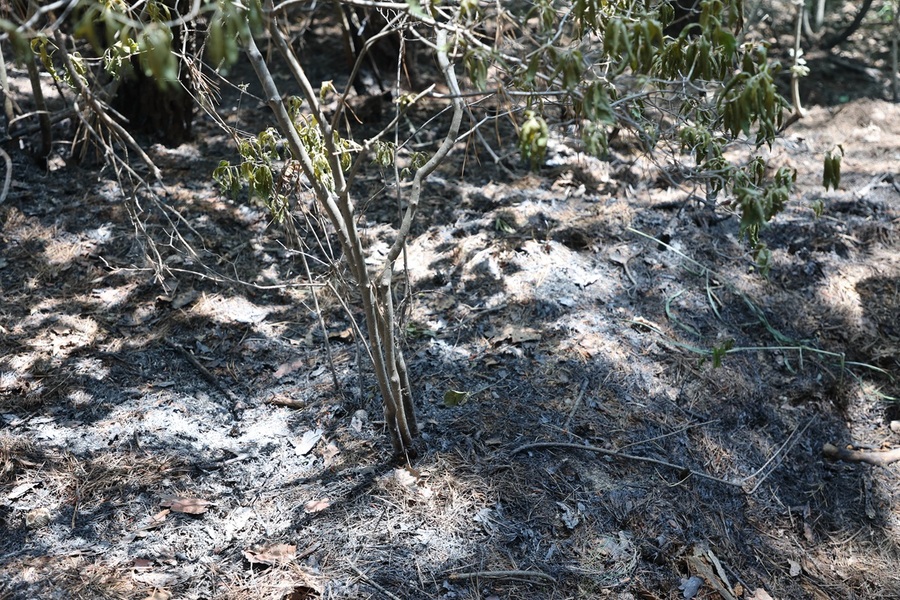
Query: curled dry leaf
pixel 314 506
pixel 189 506
pixel 276 554
pixel 307 442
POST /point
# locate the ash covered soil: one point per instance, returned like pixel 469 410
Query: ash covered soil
pixel 178 432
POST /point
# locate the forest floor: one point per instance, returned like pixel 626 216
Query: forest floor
pixel 177 433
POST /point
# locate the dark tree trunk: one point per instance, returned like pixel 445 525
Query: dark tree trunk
pixel 164 113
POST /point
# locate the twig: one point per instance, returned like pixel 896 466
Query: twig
pixel 369 580
pixel 879 459
pixel 605 452
pixel 501 575
pixel 784 449
pixel 204 372
pixel 584 385
pixel 8 178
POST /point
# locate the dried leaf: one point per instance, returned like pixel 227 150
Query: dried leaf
pixel 330 451
pixel 20 490
pixel 288 367
pixel 796 569
pixel 760 594
pixel 37 518
pixel 184 298
pixel 276 554
pixel 142 564
pixel 159 595
pixel 690 587
pixel 158 580
pixel 314 506
pixel 155 520
pixel 407 476
pixel 307 442
pixel 516 334
pixel 189 506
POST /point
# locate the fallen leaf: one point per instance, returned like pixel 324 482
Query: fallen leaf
pixel 314 506
pixel 407 476
pixel 184 298
pixel 159 595
pixel 455 398
pixel 307 442
pixel 516 334
pixel 142 564
pixel 189 506
pixel 155 579
pixel 690 587
pixel 276 554
pixel 760 594
pixel 344 335
pixel 37 518
pixel 359 419
pixel 20 490
pixel 288 367
pixel 330 451
pixel 796 569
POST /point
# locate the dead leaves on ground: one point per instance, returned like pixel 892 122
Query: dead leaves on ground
pixel 188 506
pixel 273 556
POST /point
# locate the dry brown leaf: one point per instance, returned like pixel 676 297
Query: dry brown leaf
pixel 330 451
pixel 516 334
pixel 142 563
pixel 156 520
pixel 288 367
pixel 276 554
pixel 314 506
pixel 189 506
pixel 760 594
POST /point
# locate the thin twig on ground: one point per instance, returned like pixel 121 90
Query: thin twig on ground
pixel 605 452
pixel 575 404
pixel 369 581
pixel 501 575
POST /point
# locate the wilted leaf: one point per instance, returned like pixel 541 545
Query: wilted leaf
pixel 516 334
pixel 277 554
pixel 189 506
pixel 20 490
pixel 407 476
pixel 330 451
pixel 288 367
pixel 307 442
pixel 37 518
pixel 690 586
pixel 184 298
pixel 455 398
pixel 314 506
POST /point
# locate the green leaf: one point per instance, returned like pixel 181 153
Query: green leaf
pixel 455 398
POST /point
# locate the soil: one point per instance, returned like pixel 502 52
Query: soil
pixel 192 432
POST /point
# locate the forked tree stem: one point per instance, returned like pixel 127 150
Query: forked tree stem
pixel 376 292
